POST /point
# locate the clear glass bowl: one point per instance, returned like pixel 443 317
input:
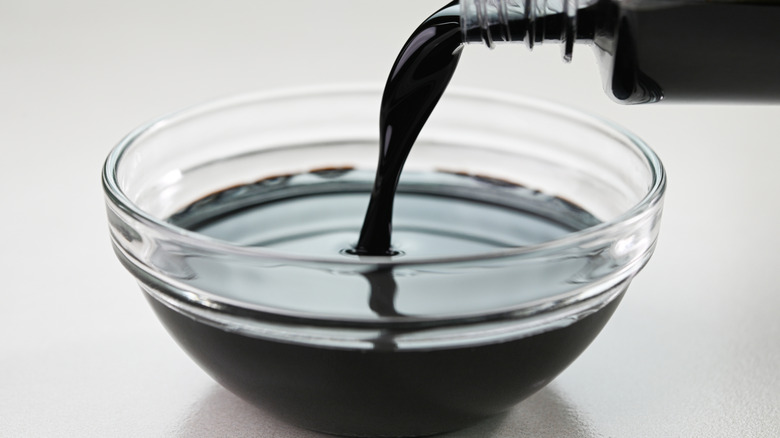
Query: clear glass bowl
pixel 431 340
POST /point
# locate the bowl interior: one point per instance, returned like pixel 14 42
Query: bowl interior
pixel 491 150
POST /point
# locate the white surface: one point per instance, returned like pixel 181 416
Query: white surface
pixel 692 351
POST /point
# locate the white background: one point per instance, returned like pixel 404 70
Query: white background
pixel 692 351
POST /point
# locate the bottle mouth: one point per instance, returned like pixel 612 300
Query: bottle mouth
pixel 496 21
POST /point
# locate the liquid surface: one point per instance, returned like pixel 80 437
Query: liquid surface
pixel 417 80
pixel 318 214
pixel 314 215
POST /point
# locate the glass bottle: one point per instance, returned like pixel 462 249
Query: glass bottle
pixel 650 50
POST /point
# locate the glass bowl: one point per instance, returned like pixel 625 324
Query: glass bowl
pixel 519 226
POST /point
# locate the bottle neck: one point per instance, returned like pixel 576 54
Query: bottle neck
pixel 530 21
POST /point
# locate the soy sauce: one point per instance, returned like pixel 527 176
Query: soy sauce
pixel 418 79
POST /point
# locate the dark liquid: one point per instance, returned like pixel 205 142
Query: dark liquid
pixel 381 392
pixel 418 79
pixel 386 389
pixel 678 51
pixel 694 51
pixel 687 50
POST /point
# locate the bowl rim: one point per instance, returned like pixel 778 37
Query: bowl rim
pixel 116 196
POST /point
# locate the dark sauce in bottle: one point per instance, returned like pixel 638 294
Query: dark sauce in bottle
pixel 695 51
pixel 654 50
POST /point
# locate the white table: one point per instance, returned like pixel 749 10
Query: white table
pixel 692 351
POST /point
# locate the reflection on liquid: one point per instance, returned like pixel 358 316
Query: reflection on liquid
pixel 383 291
pixel 382 302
